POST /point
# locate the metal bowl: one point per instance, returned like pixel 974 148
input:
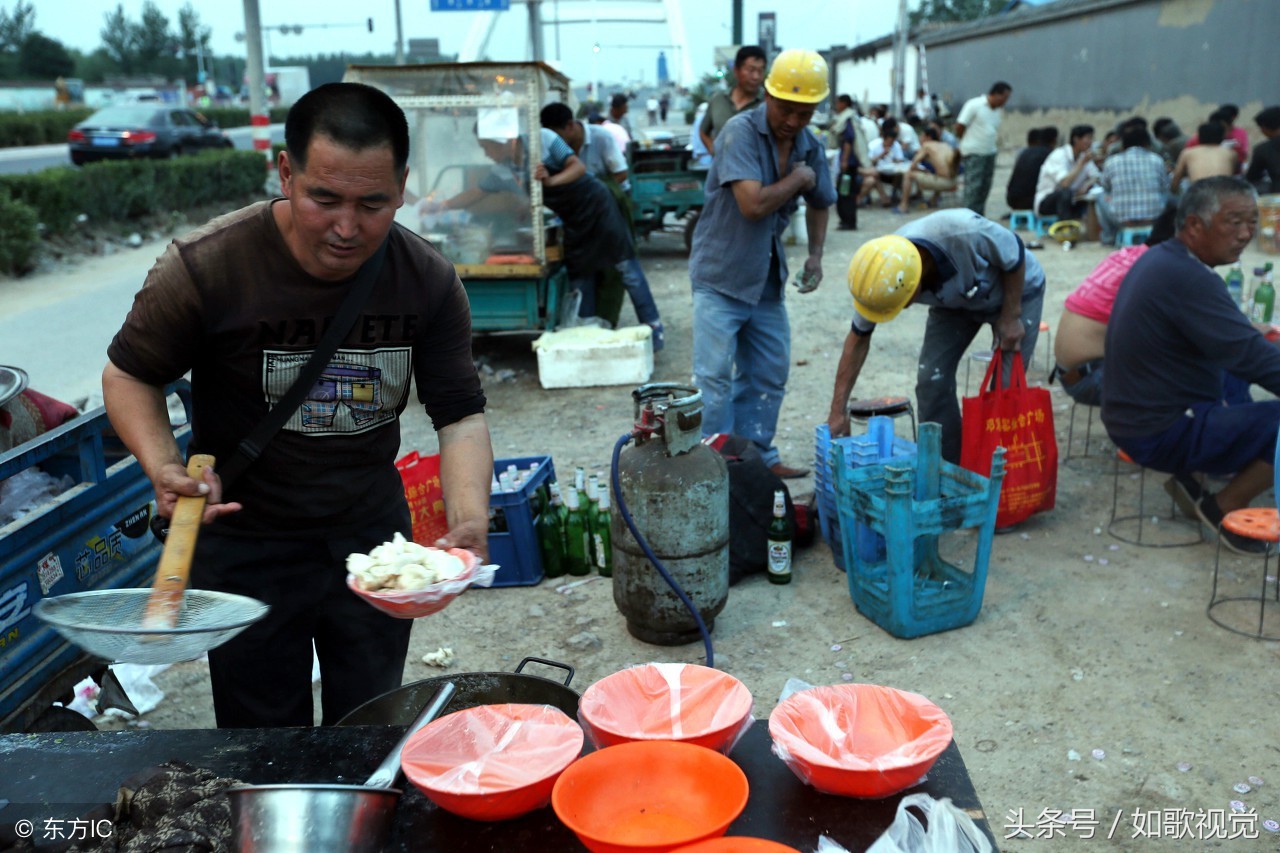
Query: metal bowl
pixel 311 818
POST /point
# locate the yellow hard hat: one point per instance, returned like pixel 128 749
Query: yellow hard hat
pixel 798 75
pixel 883 276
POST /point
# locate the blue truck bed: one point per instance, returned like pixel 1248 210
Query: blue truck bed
pixel 96 535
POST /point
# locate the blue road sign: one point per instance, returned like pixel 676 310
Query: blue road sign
pixel 470 5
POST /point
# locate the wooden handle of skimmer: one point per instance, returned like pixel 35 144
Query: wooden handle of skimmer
pixel 165 604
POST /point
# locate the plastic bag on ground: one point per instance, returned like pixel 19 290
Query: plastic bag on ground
pixel 950 830
pixel 667 701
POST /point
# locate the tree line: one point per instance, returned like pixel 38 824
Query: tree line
pixel 150 46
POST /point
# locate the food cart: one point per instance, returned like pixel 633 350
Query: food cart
pixel 474 133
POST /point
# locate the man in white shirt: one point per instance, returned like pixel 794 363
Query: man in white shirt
pixel 1066 175
pixel 978 128
pixel 885 158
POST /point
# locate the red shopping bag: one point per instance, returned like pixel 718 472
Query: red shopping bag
pixel 1019 419
pixel 421 478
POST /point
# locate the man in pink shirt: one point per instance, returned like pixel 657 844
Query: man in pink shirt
pixel 1235 138
pixel 1079 344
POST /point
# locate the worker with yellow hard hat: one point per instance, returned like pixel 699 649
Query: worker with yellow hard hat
pixel 971 272
pixel 766 163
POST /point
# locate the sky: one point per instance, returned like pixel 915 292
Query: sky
pixel 628 51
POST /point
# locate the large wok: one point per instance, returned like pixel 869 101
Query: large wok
pixel 398 707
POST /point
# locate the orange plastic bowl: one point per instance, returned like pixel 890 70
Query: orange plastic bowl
pixel 649 797
pixel 666 701
pixel 413 603
pixel 492 762
pixel 859 740
pixel 737 844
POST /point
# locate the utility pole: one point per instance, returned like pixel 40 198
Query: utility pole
pixel 900 59
pixel 399 37
pixel 535 29
pixel 737 22
pixel 257 80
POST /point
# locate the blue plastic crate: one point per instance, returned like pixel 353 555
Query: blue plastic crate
pixel 875 446
pixel 910 590
pixel 516 551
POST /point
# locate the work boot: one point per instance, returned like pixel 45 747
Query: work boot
pixel 659 335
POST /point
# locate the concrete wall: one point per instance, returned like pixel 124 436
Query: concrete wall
pixel 868 76
pixel 1103 60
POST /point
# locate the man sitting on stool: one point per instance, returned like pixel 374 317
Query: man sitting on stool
pixel 1079 345
pixel 1174 329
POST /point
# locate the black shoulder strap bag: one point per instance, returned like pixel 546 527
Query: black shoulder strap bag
pixel 252 445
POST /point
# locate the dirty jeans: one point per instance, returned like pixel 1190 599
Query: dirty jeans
pixel 741 359
pixel 947 336
pixel 633 279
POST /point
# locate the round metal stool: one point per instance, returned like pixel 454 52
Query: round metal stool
pixel 1235 612
pixel 891 407
pixel 1120 526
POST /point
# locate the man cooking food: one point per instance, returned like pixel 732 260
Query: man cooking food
pixel 241 303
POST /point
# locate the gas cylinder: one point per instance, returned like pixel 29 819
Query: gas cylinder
pixel 676 490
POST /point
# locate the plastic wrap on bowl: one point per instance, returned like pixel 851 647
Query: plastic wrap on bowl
pixel 859 740
pixel 667 701
pixel 492 762
pixel 413 603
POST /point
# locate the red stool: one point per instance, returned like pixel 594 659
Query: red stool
pixel 1120 526
pixel 892 407
pixel 1263 525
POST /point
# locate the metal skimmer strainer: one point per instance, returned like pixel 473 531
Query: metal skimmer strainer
pixel 167 623
pixel 108 623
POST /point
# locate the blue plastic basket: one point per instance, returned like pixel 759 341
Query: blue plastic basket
pixel 909 590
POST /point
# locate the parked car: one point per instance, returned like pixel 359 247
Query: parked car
pixel 142 130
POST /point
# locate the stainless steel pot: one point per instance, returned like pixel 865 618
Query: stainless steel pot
pixel 397 707
pixel 324 818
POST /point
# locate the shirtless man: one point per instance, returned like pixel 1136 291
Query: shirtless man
pixel 1206 160
pixel 942 157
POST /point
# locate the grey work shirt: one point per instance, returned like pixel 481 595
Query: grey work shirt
pixel 972 254
pixel 600 154
pixel 731 253
pixel 720 108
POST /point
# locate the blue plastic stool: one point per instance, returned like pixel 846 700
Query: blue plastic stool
pixel 878 444
pixel 1133 235
pixel 911 591
pixel 1043 224
pixel 1024 220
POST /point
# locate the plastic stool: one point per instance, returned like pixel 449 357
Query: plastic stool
pixel 1133 235
pixel 1119 523
pixel 1043 223
pixel 910 590
pixel 1022 220
pixel 863 411
pixel 1261 524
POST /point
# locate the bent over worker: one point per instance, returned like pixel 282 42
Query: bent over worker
pixel 971 272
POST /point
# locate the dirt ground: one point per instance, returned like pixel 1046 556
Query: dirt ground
pixel 1092 684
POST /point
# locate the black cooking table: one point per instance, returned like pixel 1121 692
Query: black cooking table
pixel 63 776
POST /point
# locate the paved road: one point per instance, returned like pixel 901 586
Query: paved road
pixel 56 326
pixel 37 157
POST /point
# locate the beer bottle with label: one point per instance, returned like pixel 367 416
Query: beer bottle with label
pixel 1264 296
pixel 551 537
pixel 577 544
pixel 602 539
pixel 779 541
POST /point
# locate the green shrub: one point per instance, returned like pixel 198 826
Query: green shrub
pixel 116 191
pixel 41 127
pixel 19 236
